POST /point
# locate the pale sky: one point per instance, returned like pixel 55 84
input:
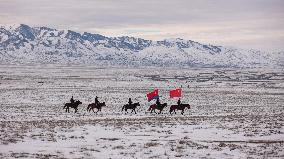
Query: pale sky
pixel 256 24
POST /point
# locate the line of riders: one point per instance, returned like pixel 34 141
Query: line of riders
pixel 130 105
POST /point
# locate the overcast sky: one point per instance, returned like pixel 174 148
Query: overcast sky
pixel 257 24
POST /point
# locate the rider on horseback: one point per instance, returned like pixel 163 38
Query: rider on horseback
pixel 96 100
pixel 179 102
pixel 130 102
pixel 130 105
pixel 158 102
pixel 72 100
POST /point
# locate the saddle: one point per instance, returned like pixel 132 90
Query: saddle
pixel 97 104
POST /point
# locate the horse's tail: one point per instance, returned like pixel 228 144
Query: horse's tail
pixel 150 108
pixel 123 108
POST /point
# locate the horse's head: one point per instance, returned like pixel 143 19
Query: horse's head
pixel 103 104
pixel 137 104
pixel 187 105
pixel 165 104
pixel 78 102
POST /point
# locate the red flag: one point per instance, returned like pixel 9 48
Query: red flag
pixel 153 95
pixel 175 93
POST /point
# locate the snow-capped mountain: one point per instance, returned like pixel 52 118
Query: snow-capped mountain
pixel 25 44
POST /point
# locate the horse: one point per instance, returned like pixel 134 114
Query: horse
pixel 179 107
pixel 159 107
pixel 94 105
pixel 132 106
pixel 72 105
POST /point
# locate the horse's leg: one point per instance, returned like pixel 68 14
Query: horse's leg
pixel 155 111
pixel 135 111
pixel 97 111
pixel 89 109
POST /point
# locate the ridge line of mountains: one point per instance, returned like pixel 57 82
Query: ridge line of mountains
pixel 42 45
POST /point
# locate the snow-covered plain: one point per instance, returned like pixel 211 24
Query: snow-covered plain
pixel 236 113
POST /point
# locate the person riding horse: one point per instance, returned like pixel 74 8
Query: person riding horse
pixel 158 106
pixel 180 106
pixel 96 100
pixel 73 104
pixel 130 101
pixel 130 105
pixel 179 102
pixel 158 102
pixel 72 100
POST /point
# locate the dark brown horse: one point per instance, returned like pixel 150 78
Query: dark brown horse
pixel 159 107
pixel 132 106
pixel 181 107
pixel 72 105
pixel 99 106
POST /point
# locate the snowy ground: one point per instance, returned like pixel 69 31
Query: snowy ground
pixel 236 113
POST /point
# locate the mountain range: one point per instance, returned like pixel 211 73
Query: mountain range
pixel 24 44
